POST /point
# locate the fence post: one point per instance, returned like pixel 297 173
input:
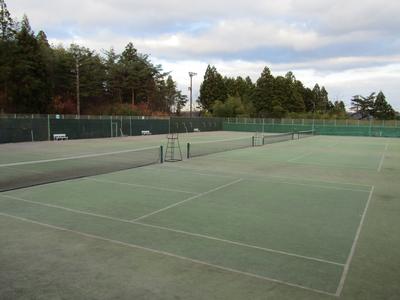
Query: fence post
pixel 111 125
pixel 370 127
pixel 48 127
pixel 263 126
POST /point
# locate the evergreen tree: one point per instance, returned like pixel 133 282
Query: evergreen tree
pixel 7 26
pixel 212 89
pixel 338 109
pixel 230 85
pixel 294 101
pixel 173 98
pixel 113 81
pixel 323 103
pixel 137 75
pixel 64 77
pixel 30 73
pixel 263 93
pixel 363 105
pixel 382 109
pixel 180 102
pixel 170 93
pixel 7 56
pixel 316 101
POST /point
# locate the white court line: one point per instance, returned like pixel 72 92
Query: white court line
pixel 73 157
pixel 382 158
pixel 139 185
pixel 195 261
pixel 353 247
pixel 175 230
pixel 258 175
pixel 188 199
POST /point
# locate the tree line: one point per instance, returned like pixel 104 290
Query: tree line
pixel 281 96
pixel 36 77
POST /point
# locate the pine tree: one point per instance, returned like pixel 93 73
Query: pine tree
pixel 170 94
pixel 137 75
pixel 180 102
pixel 64 79
pixel 263 93
pixel 295 102
pixel 382 109
pixel 323 104
pixel 212 89
pixel 7 26
pixel 363 105
pixel 30 73
pixel 7 57
pixel 338 109
pixel 113 81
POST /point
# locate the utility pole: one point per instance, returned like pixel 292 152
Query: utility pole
pixel 78 100
pixel 191 74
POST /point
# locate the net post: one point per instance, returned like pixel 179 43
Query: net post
pixel 161 154
pixel 188 150
pixel 253 141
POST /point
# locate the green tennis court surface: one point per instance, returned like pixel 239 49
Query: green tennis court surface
pixel 315 218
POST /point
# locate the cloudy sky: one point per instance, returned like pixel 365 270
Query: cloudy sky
pixel 349 46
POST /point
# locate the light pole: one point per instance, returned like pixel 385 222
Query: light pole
pixel 78 98
pixel 191 74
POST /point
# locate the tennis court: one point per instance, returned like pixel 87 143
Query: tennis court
pixel 310 218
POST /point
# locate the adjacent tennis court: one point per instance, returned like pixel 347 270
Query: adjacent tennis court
pixel 308 218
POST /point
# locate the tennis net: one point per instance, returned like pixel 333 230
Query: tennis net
pixel 205 148
pixel 31 173
pixel 276 138
pixel 305 134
